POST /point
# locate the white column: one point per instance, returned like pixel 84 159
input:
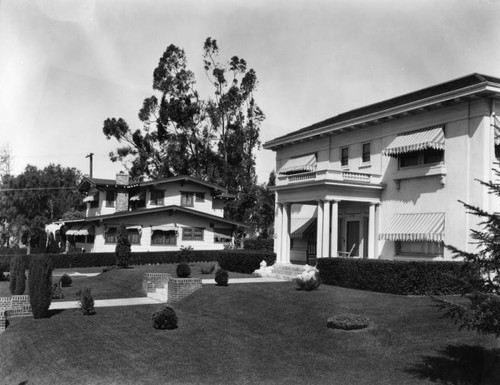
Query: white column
pixel 319 230
pixel 371 231
pixel 326 229
pixel 278 221
pixel 285 231
pixel 334 238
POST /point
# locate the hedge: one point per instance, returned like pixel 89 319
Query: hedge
pixel 241 261
pixel 260 244
pixel 397 277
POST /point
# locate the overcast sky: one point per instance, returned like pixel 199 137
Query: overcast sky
pixel 65 66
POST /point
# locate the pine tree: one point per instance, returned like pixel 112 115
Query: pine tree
pixel 482 311
pixel 40 285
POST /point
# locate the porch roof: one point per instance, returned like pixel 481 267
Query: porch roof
pixel 415 227
pixel 415 141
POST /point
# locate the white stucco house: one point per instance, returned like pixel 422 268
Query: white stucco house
pixel 385 180
pixel 159 215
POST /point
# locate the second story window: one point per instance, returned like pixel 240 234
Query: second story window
pixel 187 199
pixel 110 198
pixel 416 158
pixel 95 202
pixel 366 156
pixel 157 197
pixel 200 197
pixel 344 157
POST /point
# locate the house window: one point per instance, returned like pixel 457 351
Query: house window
pixel 200 197
pixel 497 151
pixel 422 248
pixel 366 153
pixel 192 234
pixel 110 198
pixel 187 199
pixel 111 235
pixel 416 158
pixel 222 235
pixel 344 157
pixel 160 237
pixel 157 197
pixel 95 203
pixel 134 236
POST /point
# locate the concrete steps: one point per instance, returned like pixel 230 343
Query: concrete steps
pixel 160 294
pixel 287 272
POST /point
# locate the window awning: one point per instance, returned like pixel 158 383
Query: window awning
pixel 415 227
pixel 85 229
pixel 416 141
pixel 301 164
pixel 140 196
pixel 89 199
pixel 298 226
pixel 164 228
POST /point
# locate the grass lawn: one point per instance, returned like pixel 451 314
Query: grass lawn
pixel 250 334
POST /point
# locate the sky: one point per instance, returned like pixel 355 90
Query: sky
pixel 67 65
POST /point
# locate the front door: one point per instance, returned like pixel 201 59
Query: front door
pixel 311 253
pixel 353 236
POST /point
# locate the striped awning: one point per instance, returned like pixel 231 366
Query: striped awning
pixel 85 229
pixel 298 226
pixel 301 164
pixel 416 141
pixel 415 227
pixel 88 199
pixel 164 228
pixel 140 196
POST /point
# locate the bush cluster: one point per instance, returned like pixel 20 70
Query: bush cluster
pixel 259 244
pixel 85 302
pixel 183 270
pixel 207 269
pixel 65 280
pixel 17 274
pixel 165 318
pixel 348 322
pixel 397 277
pixel 221 277
pixel 40 285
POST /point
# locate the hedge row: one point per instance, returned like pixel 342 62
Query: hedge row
pixel 397 277
pixel 260 244
pixel 241 261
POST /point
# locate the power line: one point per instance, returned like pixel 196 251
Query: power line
pixel 37 188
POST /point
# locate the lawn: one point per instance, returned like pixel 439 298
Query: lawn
pixel 249 334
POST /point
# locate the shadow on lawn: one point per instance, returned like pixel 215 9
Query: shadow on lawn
pixel 462 364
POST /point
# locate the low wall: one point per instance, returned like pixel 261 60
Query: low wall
pixel 153 281
pixel 179 288
pixel 13 306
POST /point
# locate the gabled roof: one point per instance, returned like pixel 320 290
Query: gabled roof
pixel 172 208
pixel 461 87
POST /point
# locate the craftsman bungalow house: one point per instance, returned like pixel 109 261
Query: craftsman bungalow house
pixel 159 215
pixel 385 180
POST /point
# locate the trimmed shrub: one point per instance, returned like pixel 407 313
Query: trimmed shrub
pixel 122 249
pixel 309 279
pixel 221 277
pixel 85 302
pixel 207 269
pixel 185 254
pixel 40 285
pixel 65 280
pixel 165 318
pixel 259 244
pixel 348 322
pixel 397 277
pixel 57 292
pixel 183 270
pixel 17 274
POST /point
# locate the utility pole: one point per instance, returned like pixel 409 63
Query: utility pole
pixel 91 156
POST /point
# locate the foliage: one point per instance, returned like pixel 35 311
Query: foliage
pixel 309 279
pixel 183 270
pixel 17 274
pixel 207 269
pixel 57 292
pixel 221 277
pixel 259 244
pixel 165 318
pixel 65 280
pixel 347 322
pixel 185 254
pixel 245 262
pixel 40 285
pixel 85 302
pixel 182 134
pixel 396 277
pixel 34 198
pixel 482 313
pixel 122 249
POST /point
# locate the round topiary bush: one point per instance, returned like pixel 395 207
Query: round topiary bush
pixel 183 270
pixel 348 322
pixel 65 280
pixel 165 318
pixel 221 277
pixel 207 269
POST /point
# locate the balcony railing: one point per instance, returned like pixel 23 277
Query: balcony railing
pixel 330 175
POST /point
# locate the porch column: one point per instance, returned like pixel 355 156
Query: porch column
pixel 285 231
pixel 334 237
pixel 277 231
pixel 371 231
pixel 326 229
pixel 319 230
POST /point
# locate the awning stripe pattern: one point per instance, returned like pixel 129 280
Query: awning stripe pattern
pixel 305 163
pixel 416 141
pixel 415 227
pixel 299 225
pixel 139 196
pixel 86 229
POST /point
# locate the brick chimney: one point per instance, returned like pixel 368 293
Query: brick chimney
pixel 122 181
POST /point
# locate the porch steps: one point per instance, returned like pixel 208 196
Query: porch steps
pixel 287 272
